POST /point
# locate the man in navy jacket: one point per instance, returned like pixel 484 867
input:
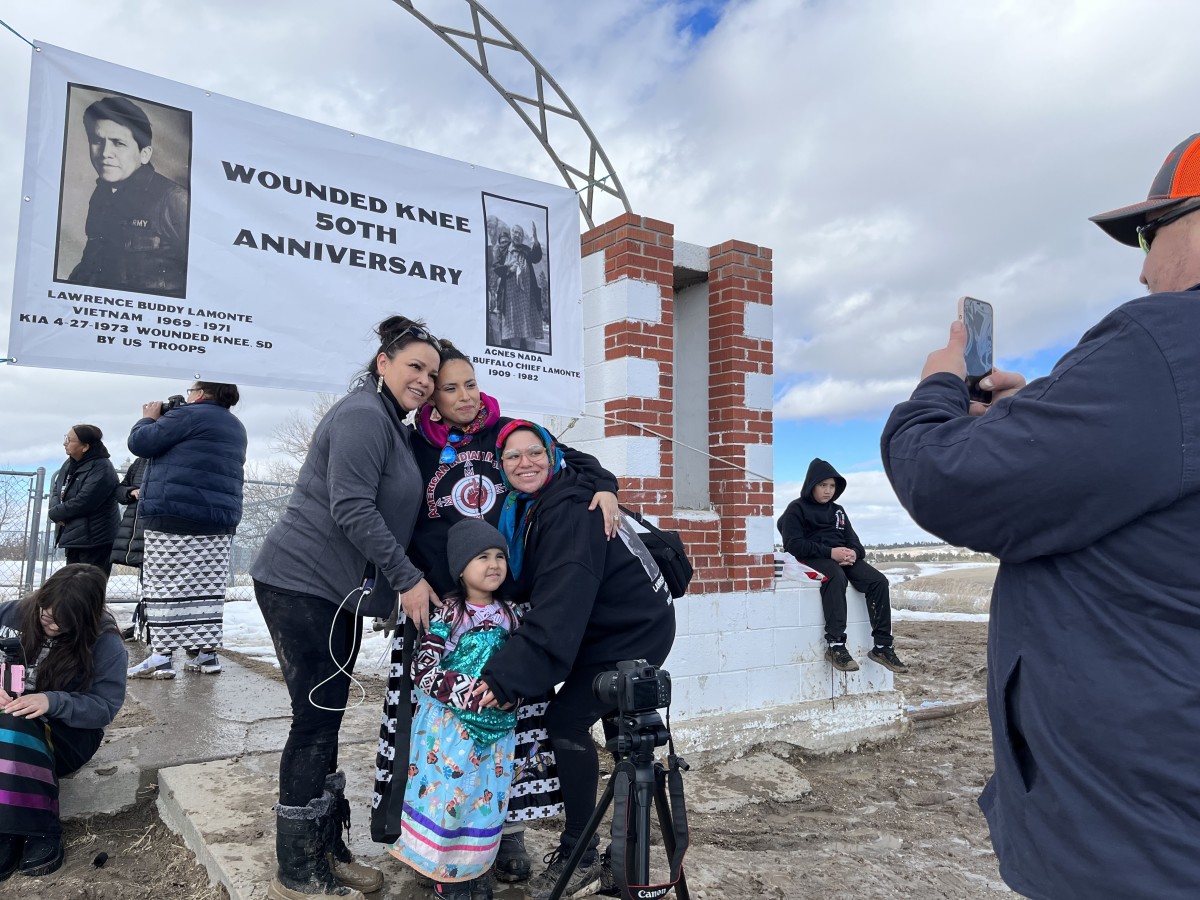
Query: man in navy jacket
pixel 1086 485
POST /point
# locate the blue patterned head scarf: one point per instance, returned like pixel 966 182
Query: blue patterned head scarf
pixel 514 527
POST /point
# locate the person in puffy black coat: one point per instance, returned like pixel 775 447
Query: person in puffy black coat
pixel 127 547
pixel 83 499
pixel 191 502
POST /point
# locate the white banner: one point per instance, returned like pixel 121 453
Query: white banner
pixel 173 232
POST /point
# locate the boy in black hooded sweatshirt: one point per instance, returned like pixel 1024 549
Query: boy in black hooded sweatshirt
pixel 817 531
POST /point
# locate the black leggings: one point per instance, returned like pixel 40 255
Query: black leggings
pixel 300 627
pixel 569 720
pixel 100 557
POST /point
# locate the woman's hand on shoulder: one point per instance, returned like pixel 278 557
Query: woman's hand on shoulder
pixel 28 706
pixel 607 501
pixel 416 602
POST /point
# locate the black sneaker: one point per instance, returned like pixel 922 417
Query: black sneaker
pixel 129 633
pixel 839 657
pixel 584 880
pixel 512 861
pixel 457 890
pixel 887 658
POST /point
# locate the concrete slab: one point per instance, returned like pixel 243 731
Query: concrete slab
pixel 190 719
pixel 223 812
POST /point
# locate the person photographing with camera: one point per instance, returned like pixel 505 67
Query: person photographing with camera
pixel 191 503
pixel 1086 485
pixel 593 603
pixel 62 681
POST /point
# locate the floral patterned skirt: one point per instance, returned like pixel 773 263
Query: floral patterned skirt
pixel 455 798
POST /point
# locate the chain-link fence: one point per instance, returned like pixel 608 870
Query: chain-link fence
pixel 263 503
pixel 21 497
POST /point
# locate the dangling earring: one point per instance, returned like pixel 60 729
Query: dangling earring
pixel 435 416
pixel 379 385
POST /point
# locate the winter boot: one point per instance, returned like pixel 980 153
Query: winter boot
pixel 341 861
pixel 301 834
pixel 10 854
pixel 456 890
pixel 42 855
pixel 512 860
pixel 481 887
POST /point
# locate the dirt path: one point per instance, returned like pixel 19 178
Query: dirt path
pixel 894 820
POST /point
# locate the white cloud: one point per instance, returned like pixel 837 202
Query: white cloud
pixel 870 503
pixel 894 155
pixel 837 399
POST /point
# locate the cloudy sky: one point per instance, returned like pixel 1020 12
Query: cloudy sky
pixel 894 155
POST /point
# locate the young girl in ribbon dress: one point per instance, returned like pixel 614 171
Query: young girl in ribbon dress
pixel 461 761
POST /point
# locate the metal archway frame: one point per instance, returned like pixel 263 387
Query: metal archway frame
pixel 585 180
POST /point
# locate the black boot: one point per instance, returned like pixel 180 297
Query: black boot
pixel 481 887
pixel 42 855
pixel 341 861
pixel 512 860
pixel 301 834
pixel 10 854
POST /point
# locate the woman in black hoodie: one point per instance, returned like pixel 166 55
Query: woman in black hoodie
pixel 83 499
pixel 593 602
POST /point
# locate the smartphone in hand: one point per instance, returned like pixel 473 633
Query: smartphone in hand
pixel 976 315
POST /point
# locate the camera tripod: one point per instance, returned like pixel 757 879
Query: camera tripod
pixel 637 783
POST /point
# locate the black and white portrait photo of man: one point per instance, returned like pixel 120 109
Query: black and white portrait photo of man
pixel 136 227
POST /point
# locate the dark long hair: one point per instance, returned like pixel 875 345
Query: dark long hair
pixel 455 604
pixel 395 333
pixel 74 595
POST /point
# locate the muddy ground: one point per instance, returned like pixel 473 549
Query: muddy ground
pixel 897 819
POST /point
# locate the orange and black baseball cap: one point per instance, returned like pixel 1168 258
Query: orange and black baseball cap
pixel 1178 180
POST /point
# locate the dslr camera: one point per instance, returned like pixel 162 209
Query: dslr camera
pixel 12 670
pixel 635 687
pixel 173 402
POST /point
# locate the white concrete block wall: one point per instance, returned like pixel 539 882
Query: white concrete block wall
pixel 759 320
pixel 760 459
pixel 623 377
pixel 591 271
pixel 760 534
pixel 759 391
pixel 623 299
pixel 741 652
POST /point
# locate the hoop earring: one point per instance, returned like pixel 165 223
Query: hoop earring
pixel 379 384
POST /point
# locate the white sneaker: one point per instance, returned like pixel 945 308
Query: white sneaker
pixel 153 666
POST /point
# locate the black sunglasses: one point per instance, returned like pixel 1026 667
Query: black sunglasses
pixel 1145 232
pixel 419 333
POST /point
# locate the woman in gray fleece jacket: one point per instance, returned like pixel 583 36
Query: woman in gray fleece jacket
pixel 338 554
pixel 53 714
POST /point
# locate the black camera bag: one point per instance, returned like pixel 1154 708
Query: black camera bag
pixel 666 548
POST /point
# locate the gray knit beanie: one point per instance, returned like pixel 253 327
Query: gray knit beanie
pixel 467 539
